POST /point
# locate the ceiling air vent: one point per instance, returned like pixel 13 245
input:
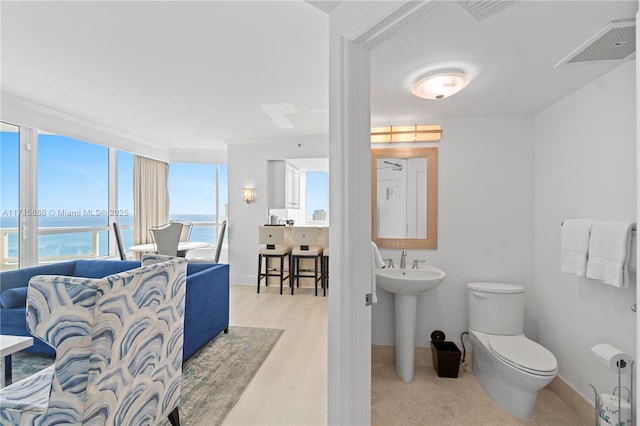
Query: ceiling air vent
pixel 616 42
pixel 482 9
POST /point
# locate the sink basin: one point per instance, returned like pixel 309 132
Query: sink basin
pixel 406 285
pixel 409 282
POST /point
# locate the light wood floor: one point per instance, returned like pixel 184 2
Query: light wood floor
pixel 291 386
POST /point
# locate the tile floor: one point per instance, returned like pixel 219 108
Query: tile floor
pixel 439 401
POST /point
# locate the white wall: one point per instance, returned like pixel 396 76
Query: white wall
pixel 485 222
pixel 585 166
pixel 248 168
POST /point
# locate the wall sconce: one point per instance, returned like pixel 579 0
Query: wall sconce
pixel 248 195
pixel 406 134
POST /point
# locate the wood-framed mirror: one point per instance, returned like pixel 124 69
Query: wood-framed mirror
pixel 404 197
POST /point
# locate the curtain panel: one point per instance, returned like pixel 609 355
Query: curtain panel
pixel 150 197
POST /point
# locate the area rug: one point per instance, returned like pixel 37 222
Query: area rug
pixel 213 379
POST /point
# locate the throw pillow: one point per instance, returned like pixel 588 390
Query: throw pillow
pixel 14 298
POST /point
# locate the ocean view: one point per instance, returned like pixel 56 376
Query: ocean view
pixel 81 243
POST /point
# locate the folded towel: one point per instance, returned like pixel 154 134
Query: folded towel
pixel 574 246
pixel 609 250
pixel 633 256
pixel 376 262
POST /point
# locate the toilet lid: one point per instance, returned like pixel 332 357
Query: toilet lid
pixel 524 354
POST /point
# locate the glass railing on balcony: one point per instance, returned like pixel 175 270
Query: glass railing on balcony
pixel 59 244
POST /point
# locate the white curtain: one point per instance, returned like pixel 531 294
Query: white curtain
pixel 150 196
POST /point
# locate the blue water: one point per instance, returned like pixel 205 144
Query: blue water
pixel 80 244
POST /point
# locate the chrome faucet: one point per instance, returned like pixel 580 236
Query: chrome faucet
pixel 403 259
pixel 391 265
pixel 415 263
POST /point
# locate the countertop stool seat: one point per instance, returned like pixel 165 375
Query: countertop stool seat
pixel 325 260
pixel 275 248
pixel 305 240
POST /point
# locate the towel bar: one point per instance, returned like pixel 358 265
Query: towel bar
pixel 633 228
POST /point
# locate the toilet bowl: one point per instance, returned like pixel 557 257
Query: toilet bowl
pixel 510 367
pixel 509 383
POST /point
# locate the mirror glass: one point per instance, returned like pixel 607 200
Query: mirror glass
pixel 404 197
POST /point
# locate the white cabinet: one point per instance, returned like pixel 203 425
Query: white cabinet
pixel 284 185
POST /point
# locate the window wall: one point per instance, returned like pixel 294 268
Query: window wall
pixel 54 199
pixel 316 198
pixel 198 193
pixel 9 195
pixel 124 203
pixel 60 195
pixel 73 199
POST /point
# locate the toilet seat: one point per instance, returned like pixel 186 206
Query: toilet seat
pixel 524 354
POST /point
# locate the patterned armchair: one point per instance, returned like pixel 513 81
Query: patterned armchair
pixel 118 343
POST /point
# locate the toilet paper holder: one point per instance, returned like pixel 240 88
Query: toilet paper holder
pixel 622 364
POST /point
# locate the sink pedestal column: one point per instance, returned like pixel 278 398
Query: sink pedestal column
pixel 406 309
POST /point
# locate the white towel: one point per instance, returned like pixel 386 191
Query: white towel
pixel 574 246
pixel 376 262
pixel 633 256
pixel 609 249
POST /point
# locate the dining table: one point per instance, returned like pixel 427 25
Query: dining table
pixel 183 247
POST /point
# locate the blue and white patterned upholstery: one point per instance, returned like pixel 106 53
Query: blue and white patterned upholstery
pixel 118 343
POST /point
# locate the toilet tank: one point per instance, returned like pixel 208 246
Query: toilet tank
pixel 496 308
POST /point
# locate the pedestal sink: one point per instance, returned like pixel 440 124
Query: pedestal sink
pixel 406 285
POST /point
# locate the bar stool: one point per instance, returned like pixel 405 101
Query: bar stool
pixel 325 260
pixel 305 241
pixel 276 247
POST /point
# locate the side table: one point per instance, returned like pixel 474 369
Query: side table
pixel 8 346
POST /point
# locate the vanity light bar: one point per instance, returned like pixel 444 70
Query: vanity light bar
pixel 414 133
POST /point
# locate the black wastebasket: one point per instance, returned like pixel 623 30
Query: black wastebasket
pixel 446 358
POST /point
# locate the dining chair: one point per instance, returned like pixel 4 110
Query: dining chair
pixel 276 247
pixel 119 244
pixel 166 238
pixel 186 230
pixel 223 228
pixel 206 255
pixel 306 245
pixel 184 235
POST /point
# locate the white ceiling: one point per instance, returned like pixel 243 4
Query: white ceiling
pixel 190 75
pixel 510 57
pixel 179 74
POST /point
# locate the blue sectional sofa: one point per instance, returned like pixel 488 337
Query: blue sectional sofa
pixel 206 300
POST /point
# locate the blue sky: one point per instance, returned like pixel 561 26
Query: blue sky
pixel 73 175
pixel 317 191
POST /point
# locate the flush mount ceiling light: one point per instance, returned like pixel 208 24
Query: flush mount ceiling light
pixel 440 84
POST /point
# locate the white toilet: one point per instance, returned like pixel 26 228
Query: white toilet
pixel 510 367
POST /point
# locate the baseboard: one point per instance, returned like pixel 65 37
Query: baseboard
pixel 573 399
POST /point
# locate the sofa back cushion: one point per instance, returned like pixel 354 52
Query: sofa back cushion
pixel 21 277
pixel 101 268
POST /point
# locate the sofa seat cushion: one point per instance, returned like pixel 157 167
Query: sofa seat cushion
pixel 14 298
pixel 16 317
pixel 101 268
